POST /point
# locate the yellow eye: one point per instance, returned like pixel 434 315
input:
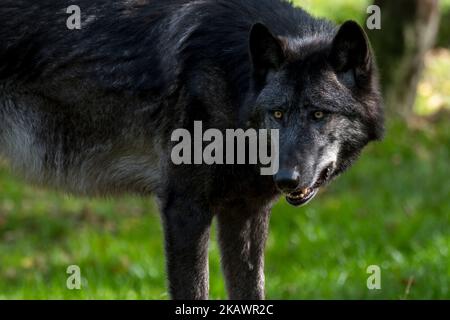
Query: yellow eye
pixel 319 115
pixel 278 115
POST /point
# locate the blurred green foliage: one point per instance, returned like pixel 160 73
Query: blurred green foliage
pixel 342 10
pixel 444 30
pixel 337 10
pixel 392 209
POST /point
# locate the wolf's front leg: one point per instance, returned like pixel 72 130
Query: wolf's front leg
pixel 242 236
pixel 186 228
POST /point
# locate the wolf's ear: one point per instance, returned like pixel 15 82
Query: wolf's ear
pixel 266 52
pixel 351 51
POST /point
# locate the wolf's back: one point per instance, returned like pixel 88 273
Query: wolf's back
pixel 136 45
pixel 117 40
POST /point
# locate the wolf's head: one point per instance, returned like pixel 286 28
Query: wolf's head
pixel 322 94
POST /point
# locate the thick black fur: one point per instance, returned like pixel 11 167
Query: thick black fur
pixel 137 70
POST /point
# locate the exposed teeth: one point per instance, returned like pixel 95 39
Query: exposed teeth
pixel 301 195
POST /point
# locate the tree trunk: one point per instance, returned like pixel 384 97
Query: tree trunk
pixel 408 30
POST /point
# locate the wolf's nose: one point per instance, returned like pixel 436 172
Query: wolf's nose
pixel 287 180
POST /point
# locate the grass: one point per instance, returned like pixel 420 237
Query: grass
pixel 392 210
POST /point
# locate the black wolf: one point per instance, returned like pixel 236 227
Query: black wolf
pixel 91 111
